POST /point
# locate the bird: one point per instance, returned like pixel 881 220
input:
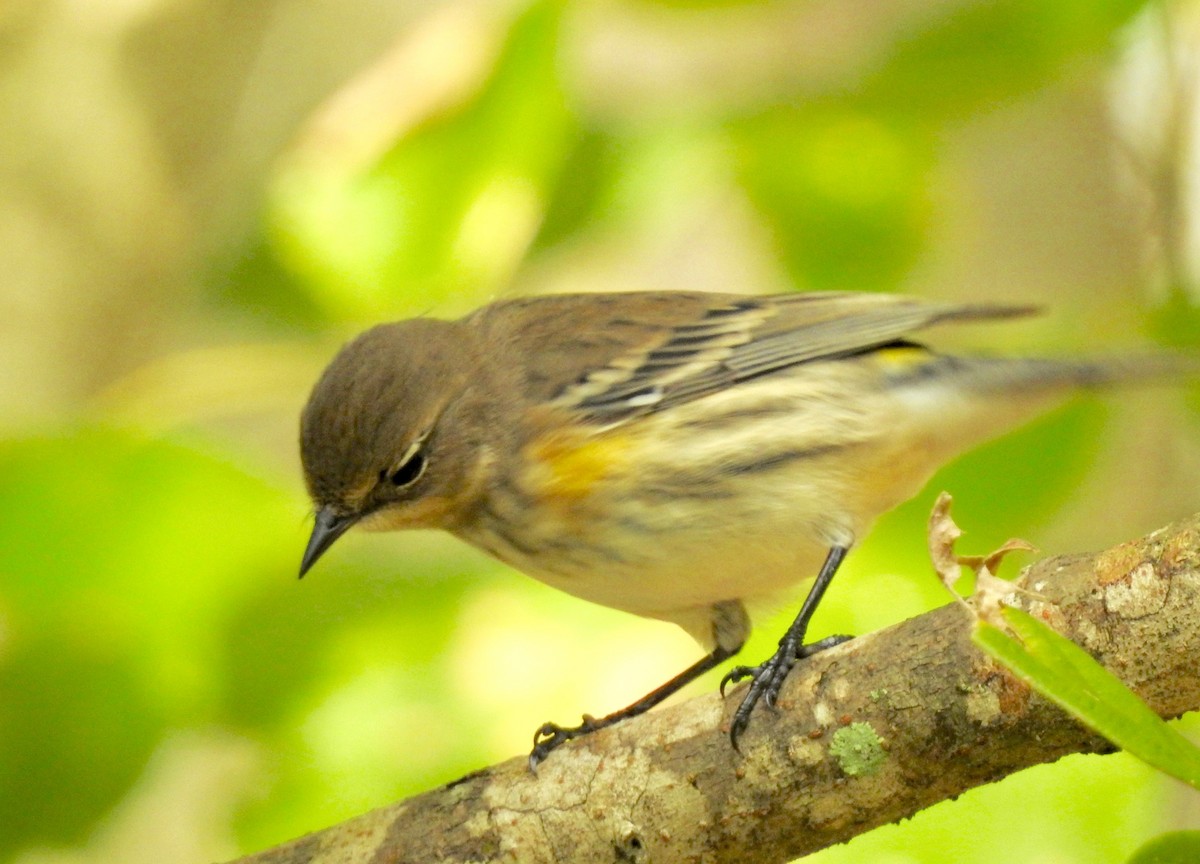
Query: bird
pixel 684 456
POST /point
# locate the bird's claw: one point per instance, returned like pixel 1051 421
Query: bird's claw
pixel 550 736
pixel 738 673
pixel 767 680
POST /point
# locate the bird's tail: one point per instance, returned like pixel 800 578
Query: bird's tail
pixel 1050 375
pixel 958 402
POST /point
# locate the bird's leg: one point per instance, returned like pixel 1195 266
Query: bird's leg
pixel 768 676
pixel 551 735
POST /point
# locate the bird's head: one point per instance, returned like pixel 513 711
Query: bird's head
pixel 392 436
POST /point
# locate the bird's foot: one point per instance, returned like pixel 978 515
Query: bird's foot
pixel 550 736
pixel 767 679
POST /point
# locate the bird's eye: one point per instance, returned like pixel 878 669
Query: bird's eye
pixel 408 473
pixel 410 469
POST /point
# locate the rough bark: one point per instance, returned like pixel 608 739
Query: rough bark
pixel 867 733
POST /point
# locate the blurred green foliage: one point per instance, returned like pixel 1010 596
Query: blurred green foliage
pixel 1178 847
pixel 149 537
pixel 438 212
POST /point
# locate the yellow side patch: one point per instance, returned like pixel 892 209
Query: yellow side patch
pixel 570 465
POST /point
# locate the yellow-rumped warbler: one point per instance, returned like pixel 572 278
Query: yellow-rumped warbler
pixel 682 456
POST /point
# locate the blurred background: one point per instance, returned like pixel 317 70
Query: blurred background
pixel 200 201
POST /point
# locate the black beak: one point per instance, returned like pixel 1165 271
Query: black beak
pixel 328 527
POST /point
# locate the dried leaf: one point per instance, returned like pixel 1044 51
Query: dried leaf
pixel 942 535
pixel 990 590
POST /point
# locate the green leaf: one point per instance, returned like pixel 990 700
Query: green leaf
pixel 1177 847
pixel 1064 673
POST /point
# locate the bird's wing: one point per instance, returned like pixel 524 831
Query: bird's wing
pixel 610 357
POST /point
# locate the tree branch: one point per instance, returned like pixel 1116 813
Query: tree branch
pixel 867 733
